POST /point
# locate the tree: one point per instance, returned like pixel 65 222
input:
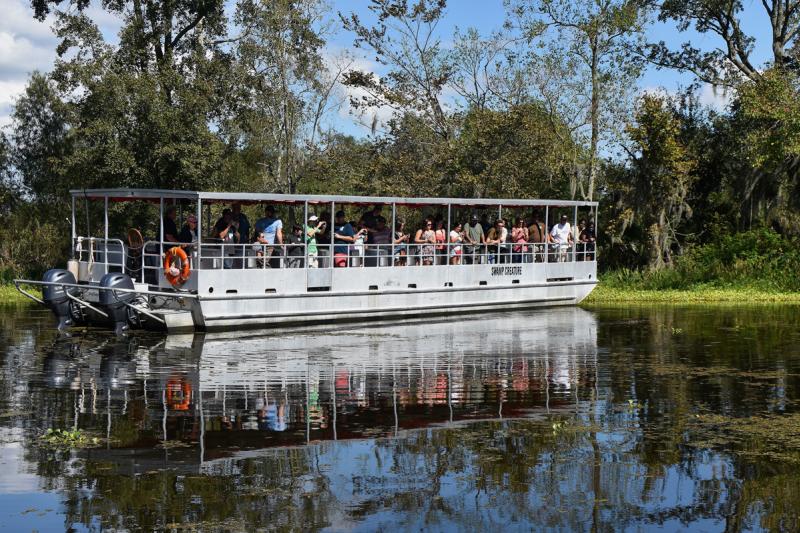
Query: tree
pixel 39 142
pixel 590 49
pixel 655 190
pixel 404 38
pixel 511 154
pixel 139 113
pixel 286 88
pixel 767 119
pixel 732 61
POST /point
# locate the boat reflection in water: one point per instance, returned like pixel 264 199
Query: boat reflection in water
pixel 222 395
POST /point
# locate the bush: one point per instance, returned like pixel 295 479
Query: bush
pixel 761 259
pixel 31 244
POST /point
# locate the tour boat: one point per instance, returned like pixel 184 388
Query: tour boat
pixel 215 283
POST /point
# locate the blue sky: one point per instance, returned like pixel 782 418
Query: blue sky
pixel 27 45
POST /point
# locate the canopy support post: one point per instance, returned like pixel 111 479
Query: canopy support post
pixel 304 225
pixel 105 232
pixel 74 230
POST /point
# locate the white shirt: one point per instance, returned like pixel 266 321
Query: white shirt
pixel 561 233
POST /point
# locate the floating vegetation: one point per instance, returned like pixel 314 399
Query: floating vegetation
pixel 13 414
pixel 172 444
pixel 65 438
pixel 768 437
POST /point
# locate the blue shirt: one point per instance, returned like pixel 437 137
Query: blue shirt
pixel 269 227
pixel 342 229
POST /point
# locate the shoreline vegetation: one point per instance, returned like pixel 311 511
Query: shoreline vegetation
pixel 604 295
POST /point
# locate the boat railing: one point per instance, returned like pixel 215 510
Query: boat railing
pixel 218 255
pixel 97 250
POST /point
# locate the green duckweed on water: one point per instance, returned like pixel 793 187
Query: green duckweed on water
pixel 68 438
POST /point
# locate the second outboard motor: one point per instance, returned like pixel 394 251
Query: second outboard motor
pixel 114 303
pixel 55 296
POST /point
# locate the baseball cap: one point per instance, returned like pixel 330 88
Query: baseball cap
pixel 313 218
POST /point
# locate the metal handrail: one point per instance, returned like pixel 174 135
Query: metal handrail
pixel 257 256
pixel 18 282
pixel 97 251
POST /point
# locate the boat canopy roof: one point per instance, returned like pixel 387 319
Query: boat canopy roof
pixel 155 195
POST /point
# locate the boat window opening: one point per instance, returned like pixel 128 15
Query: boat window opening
pixel 555 280
pixel 412 285
pixel 515 282
pixel 482 283
pixel 373 287
pixel 270 291
pixel 448 284
pixel 211 289
pixel 232 291
pixel 318 289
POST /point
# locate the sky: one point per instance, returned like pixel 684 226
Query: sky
pixel 27 45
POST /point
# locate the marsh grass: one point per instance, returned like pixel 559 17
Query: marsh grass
pixel 10 296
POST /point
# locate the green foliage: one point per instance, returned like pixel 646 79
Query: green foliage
pixel 30 244
pixel 655 189
pixel 65 438
pixel 760 260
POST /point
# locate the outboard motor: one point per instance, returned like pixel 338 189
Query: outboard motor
pixel 55 297
pixel 114 303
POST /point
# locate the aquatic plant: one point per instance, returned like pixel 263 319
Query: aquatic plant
pixel 65 438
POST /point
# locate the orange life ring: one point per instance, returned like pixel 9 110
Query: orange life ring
pixel 179 395
pixel 185 271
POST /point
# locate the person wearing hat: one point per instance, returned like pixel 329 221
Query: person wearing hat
pixel 314 227
pixel 188 234
pixel 561 237
pixel 474 239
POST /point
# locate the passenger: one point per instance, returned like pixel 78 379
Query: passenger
pixel 588 238
pixel 380 239
pixel 579 245
pixel 170 228
pixel 476 239
pixel 400 242
pixel 426 238
pixel 357 250
pixel 343 236
pixel 561 237
pixel 268 233
pixel 456 237
pixel 188 234
pixel 485 224
pixel 227 230
pixel 441 242
pixel 324 240
pixel 294 248
pixel 244 223
pixel 370 218
pixel 496 239
pixel 314 228
pixel 519 236
pixel 538 235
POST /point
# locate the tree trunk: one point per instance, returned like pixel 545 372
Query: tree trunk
pixel 594 112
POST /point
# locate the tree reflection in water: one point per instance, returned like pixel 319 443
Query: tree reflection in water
pixel 558 418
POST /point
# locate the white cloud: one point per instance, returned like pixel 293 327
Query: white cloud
pixel 27 45
pixel 709 96
pixel 9 91
pixel 362 117
pixel 716 98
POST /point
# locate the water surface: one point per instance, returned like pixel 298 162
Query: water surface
pixel 662 418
